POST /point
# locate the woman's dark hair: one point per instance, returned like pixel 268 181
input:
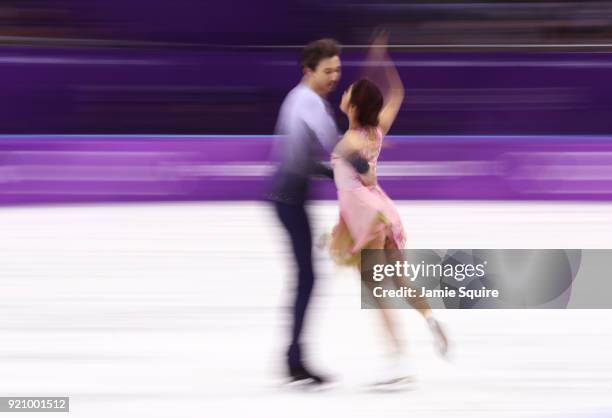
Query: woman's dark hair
pixel 368 102
pixel 316 51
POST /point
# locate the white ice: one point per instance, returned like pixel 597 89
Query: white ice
pixel 179 310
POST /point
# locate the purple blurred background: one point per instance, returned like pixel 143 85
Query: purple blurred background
pixel 504 100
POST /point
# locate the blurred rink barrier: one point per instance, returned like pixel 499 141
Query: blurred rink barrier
pixel 79 169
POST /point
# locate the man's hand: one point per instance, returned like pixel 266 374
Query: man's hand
pixel 359 163
pixel 322 170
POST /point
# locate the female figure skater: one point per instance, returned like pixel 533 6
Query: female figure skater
pixel 368 218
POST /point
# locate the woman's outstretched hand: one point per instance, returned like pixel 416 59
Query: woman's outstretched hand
pixel 380 41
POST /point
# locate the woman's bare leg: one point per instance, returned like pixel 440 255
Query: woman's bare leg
pixel 387 316
pixel 420 304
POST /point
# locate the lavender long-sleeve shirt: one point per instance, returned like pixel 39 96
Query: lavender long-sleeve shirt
pixel 307 130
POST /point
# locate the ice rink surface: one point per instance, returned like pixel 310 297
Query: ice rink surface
pixel 179 310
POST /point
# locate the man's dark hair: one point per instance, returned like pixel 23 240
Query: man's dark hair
pixel 318 50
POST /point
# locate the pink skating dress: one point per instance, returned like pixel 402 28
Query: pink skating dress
pixel 365 211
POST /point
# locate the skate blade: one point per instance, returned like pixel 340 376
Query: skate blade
pixel 395 385
pixel 308 385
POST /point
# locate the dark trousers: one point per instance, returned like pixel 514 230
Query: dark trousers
pixel 295 220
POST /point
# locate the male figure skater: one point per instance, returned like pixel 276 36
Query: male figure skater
pixel 307 126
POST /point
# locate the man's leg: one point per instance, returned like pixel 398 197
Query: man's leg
pixel 295 220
